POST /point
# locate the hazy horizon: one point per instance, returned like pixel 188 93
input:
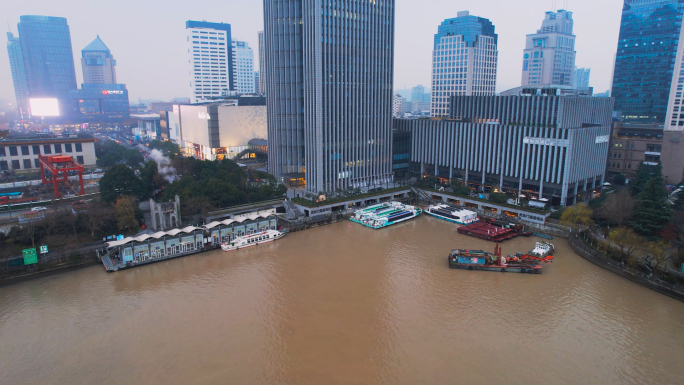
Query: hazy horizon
pixel 147 38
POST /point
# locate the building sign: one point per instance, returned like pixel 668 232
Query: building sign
pixel 30 256
pixel 44 249
pixel 602 139
pixel 532 218
pixel 546 141
pixel 112 92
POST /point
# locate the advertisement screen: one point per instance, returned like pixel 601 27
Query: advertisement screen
pixel 44 107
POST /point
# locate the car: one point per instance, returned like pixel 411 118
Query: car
pixel 38 208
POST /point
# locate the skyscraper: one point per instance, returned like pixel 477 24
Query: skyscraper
pixel 243 67
pixel 463 60
pixel 646 54
pixel 48 59
pixel 328 75
pixel 673 136
pixel 549 55
pixel 16 58
pixel 262 61
pixel 580 81
pixel 98 63
pixel 210 60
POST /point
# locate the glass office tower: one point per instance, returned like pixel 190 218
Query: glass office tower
pixel 646 53
pixel 16 58
pixel 328 76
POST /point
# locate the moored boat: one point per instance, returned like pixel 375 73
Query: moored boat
pixel 252 240
pixel 485 261
pixel 494 230
pixel 451 214
pixel 385 214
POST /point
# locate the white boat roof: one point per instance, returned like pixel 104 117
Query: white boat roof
pixel 252 217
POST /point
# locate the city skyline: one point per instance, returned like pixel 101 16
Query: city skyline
pixel 155 66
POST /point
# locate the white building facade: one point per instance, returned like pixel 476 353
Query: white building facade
pixel 464 60
pixel 210 60
pixel 243 67
pixel 549 55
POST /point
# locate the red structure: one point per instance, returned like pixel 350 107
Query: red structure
pixel 59 167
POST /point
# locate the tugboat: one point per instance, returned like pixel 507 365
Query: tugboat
pixel 448 213
pixel 482 260
pixel 252 240
pixel 385 214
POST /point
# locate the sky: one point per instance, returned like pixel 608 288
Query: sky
pixel 147 37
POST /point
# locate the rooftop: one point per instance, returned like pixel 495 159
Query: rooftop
pixel 96 45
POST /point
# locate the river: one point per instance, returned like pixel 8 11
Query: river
pixel 341 304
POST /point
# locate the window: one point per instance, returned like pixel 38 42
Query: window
pixel 25 150
pixel 79 147
pixel 36 150
pixel 2 151
pixel 67 147
pixel 36 162
pixel 47 149
pixel 3 165
pixel 58 148
pixel 13 151
pixel 27 163
pixel 15 165
pixel 79 159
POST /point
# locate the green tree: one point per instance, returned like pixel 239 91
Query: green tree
pixel 125 214
pixel 619 179
pixel 678 199
pixel 169 149
pixel 133 158
pixel 121 181
pixel 499 198
pixel 576 216
pixel 652 212
pixel 626 240
pixel 147 176
pixel 644 173
pixel 459 188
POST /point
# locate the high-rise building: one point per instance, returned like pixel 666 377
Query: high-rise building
pixel 463 60
pixel 257 81
pixel 210 60
pixel 418 94
pixel 262 61
pixel 328 74
pixel 398 106
pixel 673 135
pixel 243 67
pixel 580 81
pixel 16 58
pixel 549 55
pixel 48 59
pixel 98 63
pixel 645 60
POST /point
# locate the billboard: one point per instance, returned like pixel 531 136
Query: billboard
pixel 44 107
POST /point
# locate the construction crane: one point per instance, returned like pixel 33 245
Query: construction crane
pixel 59 167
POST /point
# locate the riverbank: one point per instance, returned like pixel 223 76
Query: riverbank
pixel 580 248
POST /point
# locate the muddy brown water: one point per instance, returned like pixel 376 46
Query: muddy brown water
pixel 341 304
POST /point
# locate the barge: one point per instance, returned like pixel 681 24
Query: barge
pixel 485 261
pixel 244 241
pixel 451 214
pixel 385 214
pixel 494 230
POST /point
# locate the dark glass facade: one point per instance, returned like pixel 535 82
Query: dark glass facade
pixel 469 26
pixel 646 52
pixel 16 58
pixel 101 103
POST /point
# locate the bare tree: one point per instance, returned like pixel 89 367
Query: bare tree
pixel 618 208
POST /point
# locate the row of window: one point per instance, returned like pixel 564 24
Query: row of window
pixel 47 149
pixel 27 164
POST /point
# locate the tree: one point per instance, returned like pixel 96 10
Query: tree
pixel 133 158
pixel 617 209
pixel 653 211
pixel 169 149
pixel 644 173
pixel 619 179
pixel 678 199
pixel 147 176
pixel 499 198
pixel 626 240
pixel 459 188
pixel 576 216
pixel 657 255
pixel 120 181
pixel 125 214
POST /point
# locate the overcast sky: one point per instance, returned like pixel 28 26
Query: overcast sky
pixel 147 37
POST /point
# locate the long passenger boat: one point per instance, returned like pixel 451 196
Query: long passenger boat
pixel 385 214
pixel 252 240
pixel 451 214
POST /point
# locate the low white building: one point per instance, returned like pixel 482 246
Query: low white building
pixel 20 153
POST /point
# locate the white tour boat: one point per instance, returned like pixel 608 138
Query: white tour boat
pixel 448 213
pixel 252 240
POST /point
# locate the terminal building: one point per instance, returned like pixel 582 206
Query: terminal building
pixel 541 146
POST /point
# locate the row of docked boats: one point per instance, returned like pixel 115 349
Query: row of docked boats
pixel 390 213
